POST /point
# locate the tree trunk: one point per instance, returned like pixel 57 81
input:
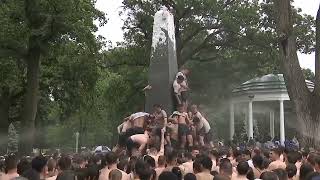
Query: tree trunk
pixel 305 102
pixel 30 105
pixel 4 121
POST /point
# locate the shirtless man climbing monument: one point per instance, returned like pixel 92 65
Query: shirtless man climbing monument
pixel 183 127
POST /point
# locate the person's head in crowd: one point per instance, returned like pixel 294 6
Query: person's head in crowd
pixel 80 161
pixel 281 173
pixel 194 108
pixel 195 151
pixel 150 160
pixel 10 164
pixel 313 176
pixel 161 161
pixel 111 159
pixel 177 172
pixel 190 176
pixel 132 163
pixel 142 170
pixel 243 168
pixel 206 163
pixel 166 175
pixel 269 175
pixel 256 151
pixel 180 108
pixel 38 169
pixel 250 174
pixel 153 174
pixel 115 174
pixel 257 161
pixel 197 167
pixel 292 157
pixel 52 163
pixel 23 166
pixel 225 168
pixel 275 154
pixel 214 155
pixel 39 164
pixel 305 170
pixel 180 79
pixel 291 170
pixel 171 158
pixel 221 177
pixel 157 108
pixel 246 155
pixel 123 165
pixel 64 163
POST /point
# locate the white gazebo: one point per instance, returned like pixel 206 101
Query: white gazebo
pixel 250 95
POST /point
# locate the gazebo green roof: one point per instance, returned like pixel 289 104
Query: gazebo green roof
pixel 267 83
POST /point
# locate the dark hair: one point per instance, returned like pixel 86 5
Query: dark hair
pixel 115 174
pixel 190 176
pixel 122 164
pixel 269 175
pixel 313 176
pixel 243 168
pixel 111 158
pixel 291 170
pixel 64 163
pixel 148 159
pixel 161 160
pixel 171 156
pixel 132 163
pixel 177 172
pixel 168 175
pixel 312 159
pixel 257 161
pixel 206 162
pixel 305 170
pixel 188 155
pixel 281 173
pixel 247 152
pixel 226 166
pixel 10 163
pixel 38 163
pixel 250 174
pixel 143 170
pixel 23 166
pixel 292 157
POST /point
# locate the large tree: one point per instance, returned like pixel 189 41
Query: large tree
pixel 306 102
pixel 30 29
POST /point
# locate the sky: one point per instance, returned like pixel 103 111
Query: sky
pixel 112 30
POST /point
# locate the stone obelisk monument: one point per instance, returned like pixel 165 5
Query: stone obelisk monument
pixel 163 62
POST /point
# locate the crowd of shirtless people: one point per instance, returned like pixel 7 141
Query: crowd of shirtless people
pixel 181 130
pixel 153 146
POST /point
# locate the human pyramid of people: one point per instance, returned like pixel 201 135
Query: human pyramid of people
pixel 143 131
pixel 156 147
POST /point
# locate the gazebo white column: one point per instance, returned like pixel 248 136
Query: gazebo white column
pixel 231 120
pixel 282 132
pixel 272 124
pixel 250 114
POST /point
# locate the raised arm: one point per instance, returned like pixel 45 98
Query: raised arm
pixel 119 128
pixel 161 152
